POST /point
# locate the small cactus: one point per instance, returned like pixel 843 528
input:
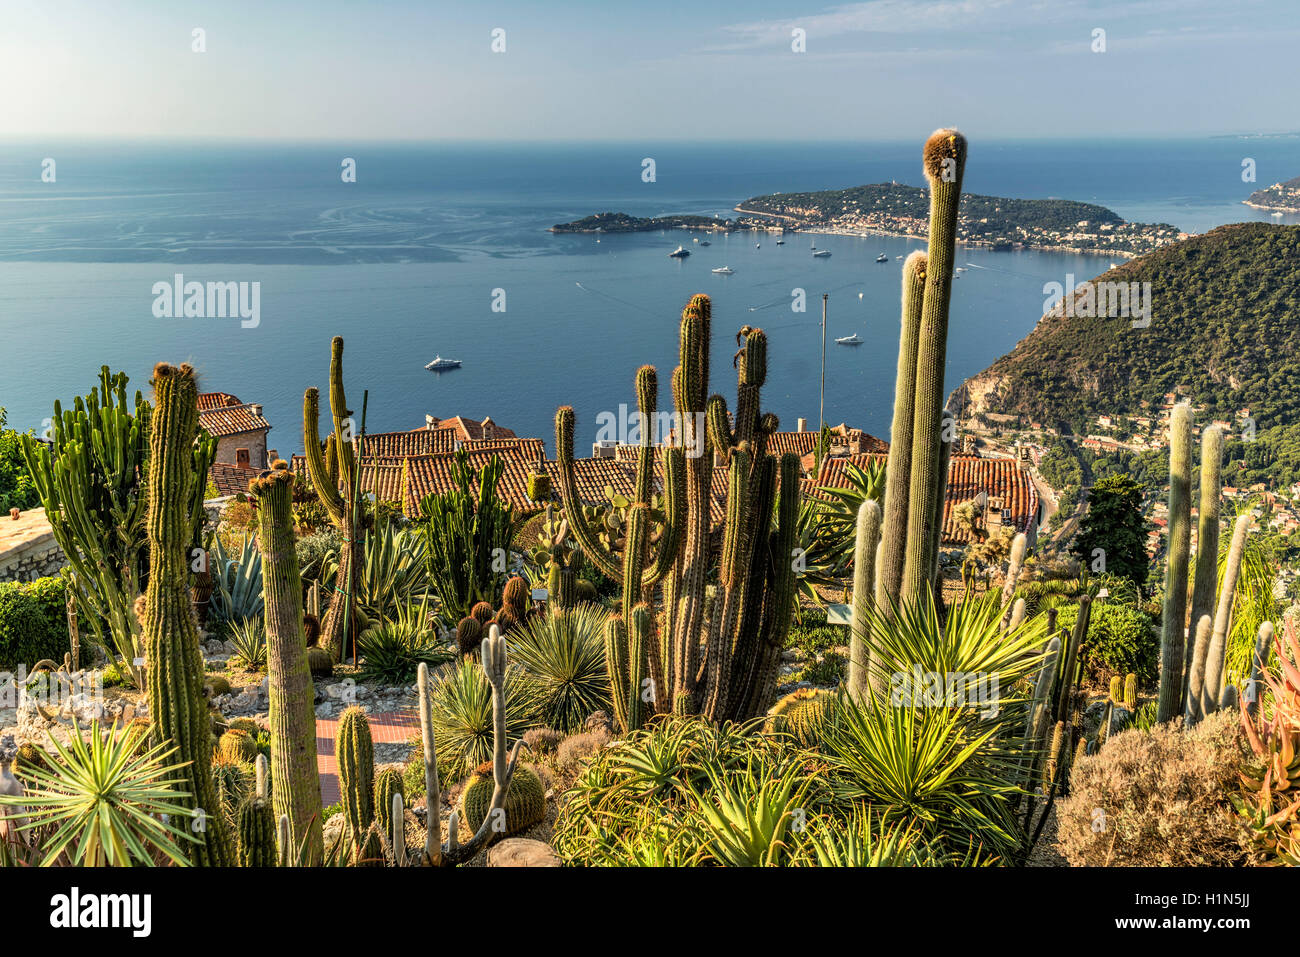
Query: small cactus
pixel 256 834
pixel 1130 698
pixel 469 634
pixel 483 612
pixel 802 714
pixel 525 803
pixel 387 783
pixel 355 751
pixel 236 745
pixel 320 662
pixel 1116 690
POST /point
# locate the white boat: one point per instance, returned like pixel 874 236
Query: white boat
pixel 705 242
pixel 681 252
pixel 758 245
pixel 821 253
pixel 882 258
pixel 780 242
pixel 1277 215
pixel 724 270
pixel 852 340
pixel 440 364
pixel 695 240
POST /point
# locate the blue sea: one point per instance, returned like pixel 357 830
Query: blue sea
pixel 410 260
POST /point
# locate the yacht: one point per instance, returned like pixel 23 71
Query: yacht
pixel 681 252
pixel 882 258
pixel 758 245
pixel 821 253
pixel 705 242
pixel 439 364
pixel 724 270
pixel 780 242
pixel 852 340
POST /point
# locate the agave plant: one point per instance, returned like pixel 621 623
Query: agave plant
pixel 749 815
pixel 863 842
pixel 394 571
pixel 391 651
pixel 827 523
pixel 102 804
pixel 563 657
pixel 249 638
pixel 237 583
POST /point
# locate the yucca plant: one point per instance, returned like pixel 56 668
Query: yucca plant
pixel 862 841
pixel 751 815
pixel 563 657
pixel 391 651
pixel 394 570
pixel 462 715
pixel 106 805
pixel 237 583
pixel 935 747
pixel 248 635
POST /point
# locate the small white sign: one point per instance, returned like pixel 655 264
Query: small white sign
pixel 839 615
pixel 539 594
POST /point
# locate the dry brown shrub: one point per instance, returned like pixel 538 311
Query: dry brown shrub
pixel 1162 797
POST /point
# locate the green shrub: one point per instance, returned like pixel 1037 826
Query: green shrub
pixel 26 632
pixel 563 657
pixel 811 633
pixel 1120 640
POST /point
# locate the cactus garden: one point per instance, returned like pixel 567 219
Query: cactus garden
pixel 724 663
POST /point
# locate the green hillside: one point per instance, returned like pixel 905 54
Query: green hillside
pixel 1225 332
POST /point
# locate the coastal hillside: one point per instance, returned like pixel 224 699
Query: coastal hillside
pixel 1281 196
pixel 1224 332
pixel 997 221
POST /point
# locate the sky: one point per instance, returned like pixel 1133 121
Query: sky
pixel 619 71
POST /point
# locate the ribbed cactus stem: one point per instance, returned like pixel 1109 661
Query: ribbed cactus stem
pixel 294 773
pixel 432 790
pixel 1196 669
pixel 260 771
pixel 1103 730
pixel 889 576
pixel 1016 561
pixel 397 837
pixel 1040 710
pixel 1206 577
pixel 1258 663
pixel 257 834
pixel 865 546
pixel 284 838
pixel 1130 691
pixel 177 705
pixel 1223 617
pixel 355 752
pixel 947 439
pixel 944 163
pixel 1116 687
pixel 1173 637
pixel 1077 637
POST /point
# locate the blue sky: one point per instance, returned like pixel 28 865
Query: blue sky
pixel 611 70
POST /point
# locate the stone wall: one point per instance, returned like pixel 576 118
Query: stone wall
pixel 28 550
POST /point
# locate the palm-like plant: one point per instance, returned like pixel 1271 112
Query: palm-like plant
pixel 249 638
pixel 394 570
pixel 563 656
pixel 946 765
pixel 748 813
pixel 462 715
pixel 1254 603
pixel 827 523
pixel 863 842
pixel 106 805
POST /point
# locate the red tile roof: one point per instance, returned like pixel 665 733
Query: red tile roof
pixel 223 414
pixel 968 475
pixel 533 450
pixel 418 442
pixel 430 474
pixel 469 430
pixel 231 479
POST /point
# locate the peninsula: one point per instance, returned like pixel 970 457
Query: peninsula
pixel 894 209
pixel 1284 197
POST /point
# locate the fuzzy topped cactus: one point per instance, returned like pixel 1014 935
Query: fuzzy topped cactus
pixel 525 802
pixel 803 715
pixel 865 545
pixel 289 669
pixel 177 704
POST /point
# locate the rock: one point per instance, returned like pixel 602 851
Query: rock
pixel 325 710
pixel 128 713
pixel 522 852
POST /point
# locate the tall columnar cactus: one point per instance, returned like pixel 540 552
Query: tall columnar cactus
pixel 329 471
pixel 754 593
pixel 1254 687
pixel 944 162
pixel 1200 649
pixel 388 783
pixel 1173 624
pixel 1207 534
pixel 1212 690
pixel 177 704
pixel 865 546
pixel 296 791
pixel 898 470
pixel 354 750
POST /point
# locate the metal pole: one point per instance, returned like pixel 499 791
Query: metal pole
pixel 821 408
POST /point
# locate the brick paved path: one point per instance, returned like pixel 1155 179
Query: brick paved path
pixel 394 727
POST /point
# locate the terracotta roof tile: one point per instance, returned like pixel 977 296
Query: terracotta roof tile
pixel 231 479
pixel 233 419
pixel 533 450
pixel 968 475
pixel 418 442
pixel 469 430
pixel 429 474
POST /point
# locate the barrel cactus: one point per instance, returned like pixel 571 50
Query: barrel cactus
pixel 355 752
pixel 469 633
pixel 802 714
pixel 387 783
pixel 320 663
pixel 525 803
pixel 237 745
